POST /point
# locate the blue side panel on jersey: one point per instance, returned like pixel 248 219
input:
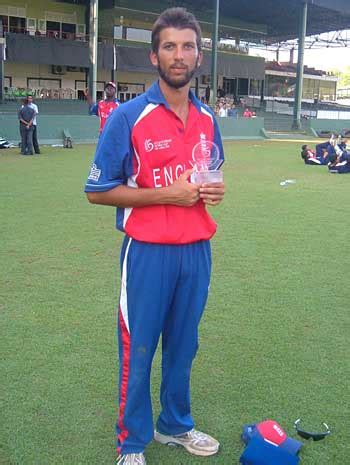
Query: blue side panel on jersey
pixel 113 162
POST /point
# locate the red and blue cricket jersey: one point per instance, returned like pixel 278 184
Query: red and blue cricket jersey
pixel 165 259
pixel 145 144
pixel 103 109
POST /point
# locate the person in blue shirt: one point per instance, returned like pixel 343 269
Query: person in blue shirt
pixel 143 166
pixel 232 111
pixel 26 116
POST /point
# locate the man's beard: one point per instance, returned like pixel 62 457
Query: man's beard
pixel 177 83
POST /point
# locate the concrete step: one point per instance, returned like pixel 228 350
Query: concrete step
pixel 287 135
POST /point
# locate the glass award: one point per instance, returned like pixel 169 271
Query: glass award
pixel 206 157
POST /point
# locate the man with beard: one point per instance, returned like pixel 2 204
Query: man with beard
pixel 103 108
pixel 142 165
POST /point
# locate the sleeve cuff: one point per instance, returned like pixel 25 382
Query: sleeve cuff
pixel 91 187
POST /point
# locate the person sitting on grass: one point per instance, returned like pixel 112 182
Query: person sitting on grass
pixel 326 153
pixel 329 154
pixel 321 148
pixel 340 167
pixel 309 156
pixel 341 162
pixel 335 152
pixel 342 143
pixel 325 150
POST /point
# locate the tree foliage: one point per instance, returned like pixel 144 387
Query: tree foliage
pixel 344 77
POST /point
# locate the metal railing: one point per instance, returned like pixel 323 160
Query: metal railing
pixel 42 93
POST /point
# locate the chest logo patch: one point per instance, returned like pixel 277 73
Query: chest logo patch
pixel 149 145
pixel 157 145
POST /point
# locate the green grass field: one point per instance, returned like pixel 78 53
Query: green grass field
pixel 274 340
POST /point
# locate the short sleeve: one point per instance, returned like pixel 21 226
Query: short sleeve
pixel 112 164
pixel 218 141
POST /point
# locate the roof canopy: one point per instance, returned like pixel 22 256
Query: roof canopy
pixel 281 16
pixel 264 21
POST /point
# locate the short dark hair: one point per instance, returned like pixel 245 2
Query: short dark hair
pixel 303 147
pixel 179 18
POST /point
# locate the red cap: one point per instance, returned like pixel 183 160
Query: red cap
pixel 272 432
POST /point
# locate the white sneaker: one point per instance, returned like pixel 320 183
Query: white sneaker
pixel 131 459
pixel 193 441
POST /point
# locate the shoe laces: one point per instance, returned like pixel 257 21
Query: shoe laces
pixel 195 435
pixel 131 459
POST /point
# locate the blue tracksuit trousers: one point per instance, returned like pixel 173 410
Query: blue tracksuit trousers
pixel 164 290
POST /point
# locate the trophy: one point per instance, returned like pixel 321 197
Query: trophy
pixel 206 156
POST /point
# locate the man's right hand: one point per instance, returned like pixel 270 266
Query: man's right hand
pixel 182 192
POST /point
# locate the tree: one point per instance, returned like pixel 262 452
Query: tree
pixel 344 77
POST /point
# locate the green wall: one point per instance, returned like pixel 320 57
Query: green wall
pixel 83 129
pixel 241 128
pixel 331 125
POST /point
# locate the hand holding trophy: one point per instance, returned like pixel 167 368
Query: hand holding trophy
pixel 206 156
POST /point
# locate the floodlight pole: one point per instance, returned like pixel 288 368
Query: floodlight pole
pixel 300 67
pixel 2 58
pixel 114 69
pixel 93 48
pixel 2 45
pixel 214 54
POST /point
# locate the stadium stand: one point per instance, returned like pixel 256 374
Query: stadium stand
pixel 63 34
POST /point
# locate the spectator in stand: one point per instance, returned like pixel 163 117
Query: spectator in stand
pixel 207 94
pixel 26 115
pixel 220 93
pixel 232 111
pixel 103 108
pixel 35 133
pixel 222 110
pixel 242 102
pixel 247 113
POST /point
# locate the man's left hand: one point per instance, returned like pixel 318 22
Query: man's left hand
pixel 213 193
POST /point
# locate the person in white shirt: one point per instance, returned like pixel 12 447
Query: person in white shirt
pixel 222 110
pixel 31 104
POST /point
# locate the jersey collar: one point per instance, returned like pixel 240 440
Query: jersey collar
pixel 155 95
pixel 112 101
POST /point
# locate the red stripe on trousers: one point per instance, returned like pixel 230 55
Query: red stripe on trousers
pixel 125 379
